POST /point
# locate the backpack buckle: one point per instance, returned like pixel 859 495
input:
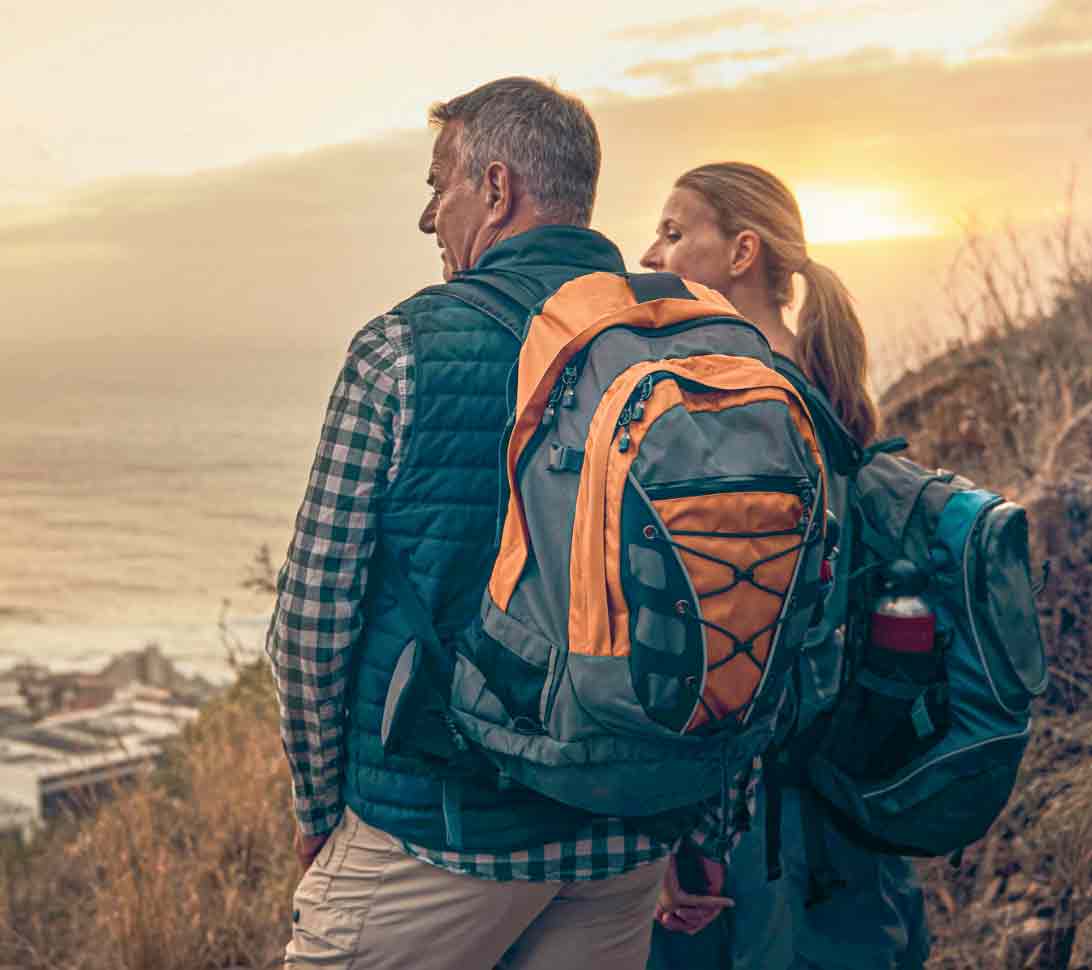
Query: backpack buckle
pixel 563 459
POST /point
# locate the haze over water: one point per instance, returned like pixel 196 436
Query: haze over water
pixel 136 490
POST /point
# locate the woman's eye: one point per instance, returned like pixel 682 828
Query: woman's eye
pixel 672 236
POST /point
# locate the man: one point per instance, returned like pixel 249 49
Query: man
pixel 397 874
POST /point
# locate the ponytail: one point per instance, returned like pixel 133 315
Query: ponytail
pixel 830 345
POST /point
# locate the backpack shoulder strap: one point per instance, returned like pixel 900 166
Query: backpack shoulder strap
pixel 658 286
pixel 500 296
pixel 841 448
pixel 414 612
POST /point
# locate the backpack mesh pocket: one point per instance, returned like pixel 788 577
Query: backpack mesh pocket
pixel 708 566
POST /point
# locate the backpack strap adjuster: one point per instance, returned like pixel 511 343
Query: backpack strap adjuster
pixel 564 459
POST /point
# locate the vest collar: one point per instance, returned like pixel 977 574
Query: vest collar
pixel 560 246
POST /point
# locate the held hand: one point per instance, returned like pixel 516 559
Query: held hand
pixel 307 847
pixel 684 912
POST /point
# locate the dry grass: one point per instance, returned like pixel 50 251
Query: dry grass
pixel 191 869
pixel 1011 408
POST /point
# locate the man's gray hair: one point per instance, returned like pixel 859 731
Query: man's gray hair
pixel 546 138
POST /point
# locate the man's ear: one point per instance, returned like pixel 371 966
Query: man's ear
pixel 499 193
pixel 745 251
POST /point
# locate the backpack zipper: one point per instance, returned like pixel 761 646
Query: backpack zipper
pixel 930 762
pixel 634 409
pixel 563 394
pixel 795 485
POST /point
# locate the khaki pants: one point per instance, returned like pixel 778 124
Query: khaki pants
pixel 366 905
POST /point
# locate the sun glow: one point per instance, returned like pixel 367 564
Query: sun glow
pixel 843 214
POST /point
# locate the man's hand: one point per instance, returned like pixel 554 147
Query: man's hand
pixel 684 912
pixel 307 847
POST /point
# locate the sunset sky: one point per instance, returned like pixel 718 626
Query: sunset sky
pixel 239 164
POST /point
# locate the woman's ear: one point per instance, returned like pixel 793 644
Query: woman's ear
pixel 745 251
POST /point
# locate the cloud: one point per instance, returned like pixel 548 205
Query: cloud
pixel 683 73
pixel 872 111
pixel 298 250
pixel 703 26
pixel 741 18
pixel 1061 24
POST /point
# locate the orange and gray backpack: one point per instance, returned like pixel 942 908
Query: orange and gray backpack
pixel 658 550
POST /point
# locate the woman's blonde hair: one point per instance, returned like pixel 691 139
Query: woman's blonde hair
pixel 830 342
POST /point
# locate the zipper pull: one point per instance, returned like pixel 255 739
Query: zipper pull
pixel 568 382
pixel 645 392
pixel 549 413
pixel 807 496
pixel 623 425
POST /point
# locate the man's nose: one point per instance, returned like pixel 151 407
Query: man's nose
pixel 427 222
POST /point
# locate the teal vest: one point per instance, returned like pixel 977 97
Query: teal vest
pixel 438 519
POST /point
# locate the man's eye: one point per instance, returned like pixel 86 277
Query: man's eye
pixel 672 236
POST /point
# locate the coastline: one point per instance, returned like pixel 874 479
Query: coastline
pixel 194 648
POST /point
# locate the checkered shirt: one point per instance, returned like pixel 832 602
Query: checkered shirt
pixel 318 617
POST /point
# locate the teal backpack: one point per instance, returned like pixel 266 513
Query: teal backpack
pixel 902 765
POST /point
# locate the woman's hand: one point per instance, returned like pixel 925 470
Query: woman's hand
pixel 683 912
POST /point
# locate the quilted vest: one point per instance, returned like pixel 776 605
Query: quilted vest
pixel 438 519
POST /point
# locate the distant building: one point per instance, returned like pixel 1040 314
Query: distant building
pixel 13 705
pixel 30 690
pixel 56 761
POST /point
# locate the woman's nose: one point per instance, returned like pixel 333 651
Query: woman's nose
pixel 651 258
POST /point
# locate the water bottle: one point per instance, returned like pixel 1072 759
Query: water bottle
pixel 906 704
pixel 903 626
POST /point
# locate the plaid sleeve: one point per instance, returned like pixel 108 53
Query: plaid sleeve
pixel 318 616
pixel 715 839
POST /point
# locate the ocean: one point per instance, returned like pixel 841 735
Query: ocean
pixel 138 480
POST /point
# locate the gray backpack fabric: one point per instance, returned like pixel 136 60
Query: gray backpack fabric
pixel 658 557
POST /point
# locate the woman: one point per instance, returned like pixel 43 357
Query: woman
pixel 737 228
